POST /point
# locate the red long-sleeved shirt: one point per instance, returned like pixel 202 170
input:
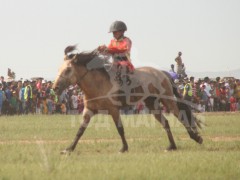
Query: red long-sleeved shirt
pixel 122 45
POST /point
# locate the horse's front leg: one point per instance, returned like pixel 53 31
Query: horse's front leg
pixel 87 114
pixel 117 120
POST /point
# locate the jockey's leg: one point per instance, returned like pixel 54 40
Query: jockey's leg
pixel 118 74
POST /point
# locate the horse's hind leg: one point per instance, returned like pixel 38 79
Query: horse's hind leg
pixel 87 114
pixel 166 126
pixel 187 118
pixel 156 111
pixel 183 112
pixel 117 120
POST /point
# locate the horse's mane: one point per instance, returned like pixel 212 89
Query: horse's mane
pixel 91 60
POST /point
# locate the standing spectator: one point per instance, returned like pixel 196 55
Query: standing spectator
pixel 49 102
pixel 19 97
pixel 28 95
pixel 172 68
pixel 203 98
pixel 233 104
pixel 180 68
pixel 8 92
pixel 39 100
pixel 50 91
pixel 237 90
pixel 74 99
pixel 172 73
pixel 39 84
pixel 216 94
pixel 207 86
pixel 188 92
pixel 63 107
pixel 44 105
pixel 194 87
pixel 80 102
pixel 223 96
pixel 2 98
pixel 208 91
pixel 3 82
pixel 65 97
pixel 196 97
pixel 238 105
pixel 13 103
pixel 230 92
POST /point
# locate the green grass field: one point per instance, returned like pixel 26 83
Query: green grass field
pixel 30 149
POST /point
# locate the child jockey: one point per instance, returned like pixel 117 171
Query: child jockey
pixel 119 47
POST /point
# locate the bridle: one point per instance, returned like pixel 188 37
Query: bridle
pixel 81 78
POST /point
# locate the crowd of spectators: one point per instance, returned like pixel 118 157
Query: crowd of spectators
pixel 211 94
pixel 37 96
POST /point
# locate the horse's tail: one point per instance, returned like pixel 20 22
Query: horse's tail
pixel 184 106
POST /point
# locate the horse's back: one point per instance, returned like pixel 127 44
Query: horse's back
pixel 150 74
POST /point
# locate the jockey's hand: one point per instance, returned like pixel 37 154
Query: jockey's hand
pixel 102 48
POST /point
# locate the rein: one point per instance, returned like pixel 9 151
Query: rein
pixel 83 75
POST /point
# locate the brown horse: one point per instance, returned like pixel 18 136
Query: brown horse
pixel 102 92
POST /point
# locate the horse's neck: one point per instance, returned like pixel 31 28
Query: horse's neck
pixel 94 84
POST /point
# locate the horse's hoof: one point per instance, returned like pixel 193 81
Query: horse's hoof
pixel 200 140
pixel 123 150
pixel 171 148
pixel 65 152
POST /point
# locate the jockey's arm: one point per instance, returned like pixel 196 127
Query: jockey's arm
pixel 113 50
pixel 124 46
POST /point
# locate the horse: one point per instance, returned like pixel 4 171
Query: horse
pixel 102 92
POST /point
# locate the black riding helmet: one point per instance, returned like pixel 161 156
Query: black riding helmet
pixel 117 26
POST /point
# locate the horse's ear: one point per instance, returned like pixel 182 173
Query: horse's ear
pixel 66 58
pixel 74 59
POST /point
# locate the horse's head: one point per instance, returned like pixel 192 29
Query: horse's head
pixel 68 73
pixel 75 67
pixel 66 76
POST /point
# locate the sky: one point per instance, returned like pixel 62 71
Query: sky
pixel 34 34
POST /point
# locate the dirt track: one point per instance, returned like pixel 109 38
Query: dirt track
pixel 91 141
